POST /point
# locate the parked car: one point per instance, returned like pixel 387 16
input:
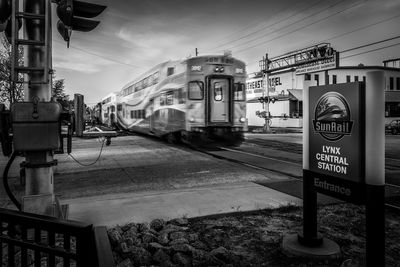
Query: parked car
pixel 393 127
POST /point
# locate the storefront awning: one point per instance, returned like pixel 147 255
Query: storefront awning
pixel 392 96
pixel 295 94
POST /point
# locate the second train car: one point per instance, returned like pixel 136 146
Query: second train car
pixel 198 98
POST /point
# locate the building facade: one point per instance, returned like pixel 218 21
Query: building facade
pixel 285 92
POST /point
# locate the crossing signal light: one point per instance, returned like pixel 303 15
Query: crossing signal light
pixel 74 16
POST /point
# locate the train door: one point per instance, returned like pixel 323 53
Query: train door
pixel 219 100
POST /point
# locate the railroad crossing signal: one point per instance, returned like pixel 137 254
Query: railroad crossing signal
pixel 267 99
pixel 73 16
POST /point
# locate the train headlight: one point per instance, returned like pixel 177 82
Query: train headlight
pixel 242 120
pixel 191 119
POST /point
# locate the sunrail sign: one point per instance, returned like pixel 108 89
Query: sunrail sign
pixel 336 139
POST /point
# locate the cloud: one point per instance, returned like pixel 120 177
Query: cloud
pixel 73 59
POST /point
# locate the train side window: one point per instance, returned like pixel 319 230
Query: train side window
pixel 170 71
pixel 170 98
pixel 179 96
pixel 112 108
pixel 196 90
pixel 162 99
pixel 119 107
pixel 132 114
pixel 238 94
pixel 218 91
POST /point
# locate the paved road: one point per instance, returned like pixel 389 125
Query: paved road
pixel 134 164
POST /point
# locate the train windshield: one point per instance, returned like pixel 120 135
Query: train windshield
pixel 196 90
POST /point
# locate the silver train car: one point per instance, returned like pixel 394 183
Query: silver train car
pixel 188 100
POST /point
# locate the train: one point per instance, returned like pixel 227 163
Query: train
pixel 193 99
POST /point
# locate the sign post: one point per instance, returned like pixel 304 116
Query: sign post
pixel 343 157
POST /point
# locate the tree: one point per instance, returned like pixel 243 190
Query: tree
pixel 9 92
pixel 58 92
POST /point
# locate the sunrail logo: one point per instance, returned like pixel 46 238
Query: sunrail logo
pixel 332 117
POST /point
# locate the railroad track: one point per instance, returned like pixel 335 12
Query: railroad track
pixel 275 164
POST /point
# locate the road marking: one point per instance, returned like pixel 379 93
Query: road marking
pixel 259 156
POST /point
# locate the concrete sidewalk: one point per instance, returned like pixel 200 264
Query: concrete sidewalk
pixel 116 209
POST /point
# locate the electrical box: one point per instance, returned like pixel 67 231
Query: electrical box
pixel 36 126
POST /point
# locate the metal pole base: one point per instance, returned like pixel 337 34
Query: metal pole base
pixel 327 249
pixel 310 242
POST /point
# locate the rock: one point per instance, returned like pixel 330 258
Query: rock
pixel 193 237
pixel 167 264
pixel 125 263
pixel 125 248
pixel 179 241
pixel 141 256
pixel 133 241
pixel 180 221
pixel 182 259
pixel 115 237
pixel 157 224
pixel 199 245
pixel 182 247
pixel 154 246
pixel 143 227
pixel 199 257
pixel 177 235
pixel 163 238
pixel 148 238
pixel 222 254
pixel 131 232
pixel 161 256
pixel 126 227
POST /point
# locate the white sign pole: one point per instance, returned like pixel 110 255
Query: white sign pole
pixel 375 168
pixel 375 128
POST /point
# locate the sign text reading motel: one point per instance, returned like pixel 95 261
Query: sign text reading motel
pixel 336 140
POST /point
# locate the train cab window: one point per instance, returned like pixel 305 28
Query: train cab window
pixel 218 96
pixel 239 92
pixel 170 98
pixel 196 90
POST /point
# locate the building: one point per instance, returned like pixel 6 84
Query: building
pixel 285 91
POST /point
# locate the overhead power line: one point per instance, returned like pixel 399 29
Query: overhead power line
pixel 270 25
pixel 300 28
pixel 361 28
pixel 374 43
pixel 102 57
pixel 293 23
pixel 369 51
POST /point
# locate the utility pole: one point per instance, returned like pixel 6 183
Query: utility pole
pixel 197 52
pixel 267 128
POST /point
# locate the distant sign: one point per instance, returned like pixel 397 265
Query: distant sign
pixel 326 63
pixel 336 137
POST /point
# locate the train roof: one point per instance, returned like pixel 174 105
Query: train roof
pixel 172 63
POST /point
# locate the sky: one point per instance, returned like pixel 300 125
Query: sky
pixel 133 36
